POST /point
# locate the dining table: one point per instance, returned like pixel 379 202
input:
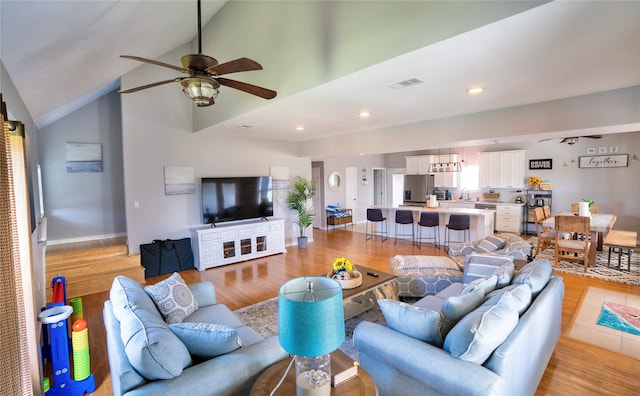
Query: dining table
pixel 600 222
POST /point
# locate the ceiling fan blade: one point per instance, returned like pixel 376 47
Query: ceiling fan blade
pixel 153 62
pixel 155 84
pixel 544 140
pixel 593 137
pixel 248 88
pixel 234 66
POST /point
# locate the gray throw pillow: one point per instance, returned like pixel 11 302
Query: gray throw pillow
pixel 456 307
pixel 491 243
pixel 521 297
pixel 487 284
pixel 419 323
pixel 206 340
pixel 173 298
pixel 479 265
pixel 536 274
pixel 478 334
pixel 151 348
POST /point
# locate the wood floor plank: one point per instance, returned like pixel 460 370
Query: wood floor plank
pixel 575 368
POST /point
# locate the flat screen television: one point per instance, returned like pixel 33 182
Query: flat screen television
pixel 236 198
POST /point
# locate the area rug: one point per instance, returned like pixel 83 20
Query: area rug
pixel 585 326
pixel 263 318
pixel 620 317
pixel 600 270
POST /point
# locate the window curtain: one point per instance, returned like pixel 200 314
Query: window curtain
pixel 16 323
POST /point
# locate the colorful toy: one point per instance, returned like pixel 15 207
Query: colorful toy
pixel 56 346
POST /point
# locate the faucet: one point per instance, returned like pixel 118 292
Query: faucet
pixel 462 194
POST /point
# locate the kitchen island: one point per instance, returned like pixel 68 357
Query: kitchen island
pixel 481 220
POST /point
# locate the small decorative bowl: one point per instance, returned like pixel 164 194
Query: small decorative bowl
pixel 354 279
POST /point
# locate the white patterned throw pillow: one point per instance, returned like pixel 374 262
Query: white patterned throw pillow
pixel 173 298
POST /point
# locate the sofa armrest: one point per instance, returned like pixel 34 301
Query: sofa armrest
pixel 403 365
pixel 204 293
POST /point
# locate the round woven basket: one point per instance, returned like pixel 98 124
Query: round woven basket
pixel 355 281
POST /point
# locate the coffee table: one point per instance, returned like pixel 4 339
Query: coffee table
pixel 361 385
pixel 363 297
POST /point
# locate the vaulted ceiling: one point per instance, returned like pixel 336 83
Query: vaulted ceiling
pixel 62 54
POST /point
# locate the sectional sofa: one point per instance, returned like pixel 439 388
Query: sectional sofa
pixel 489 336
pixel 186 345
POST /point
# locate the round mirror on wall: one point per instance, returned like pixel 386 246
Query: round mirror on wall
pixel 334 181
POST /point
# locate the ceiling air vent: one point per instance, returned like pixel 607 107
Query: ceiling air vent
pixel 406 83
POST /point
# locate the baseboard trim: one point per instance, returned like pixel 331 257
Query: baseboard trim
pixel 86 239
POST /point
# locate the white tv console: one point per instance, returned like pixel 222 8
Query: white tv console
pixel 231 243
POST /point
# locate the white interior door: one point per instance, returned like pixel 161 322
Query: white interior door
pixel 351 190
pixel 315 200
pixel 379 186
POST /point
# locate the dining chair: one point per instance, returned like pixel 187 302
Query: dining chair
pixel 547 213
pixel 457 222
pixel 429 220
pixel 375 217
pixel 572 249
pixel 593 209
pixel 545 237
pixel 403 219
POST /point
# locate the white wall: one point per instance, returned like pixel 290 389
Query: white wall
pixel 81 206
pixel 156 125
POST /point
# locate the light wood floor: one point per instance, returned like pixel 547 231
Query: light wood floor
pixel 575 368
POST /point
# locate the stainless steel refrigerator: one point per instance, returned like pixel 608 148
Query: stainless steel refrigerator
pixel 417 187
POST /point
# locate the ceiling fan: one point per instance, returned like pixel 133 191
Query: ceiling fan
pixel 202 83
pixel 573 140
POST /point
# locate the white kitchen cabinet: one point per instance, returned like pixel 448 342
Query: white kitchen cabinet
pixel 509 218
pixel 418 165
pixel 231 243
pixel 444 178
pixel 512 164
pixel 412 165
pixel 489 170
pixel 501 169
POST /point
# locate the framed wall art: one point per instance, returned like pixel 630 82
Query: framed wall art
pixel 179 180
pixel 604 161
pixel 83 157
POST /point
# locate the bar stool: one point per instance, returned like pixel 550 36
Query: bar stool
pixel 375 216
pixel 457 222
pixel 429 220
pixel 403 218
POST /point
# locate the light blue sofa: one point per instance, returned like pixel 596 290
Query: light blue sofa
pixel 232 373
pixel 403 365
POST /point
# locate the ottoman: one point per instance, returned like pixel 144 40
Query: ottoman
pixel 420 276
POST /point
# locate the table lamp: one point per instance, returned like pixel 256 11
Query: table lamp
pixel 311 325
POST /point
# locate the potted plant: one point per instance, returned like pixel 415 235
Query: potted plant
pixel 303 190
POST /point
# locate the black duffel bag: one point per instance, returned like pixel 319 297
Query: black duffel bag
pixel 166 256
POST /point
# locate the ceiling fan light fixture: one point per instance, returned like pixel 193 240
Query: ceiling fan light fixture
pixel 201 91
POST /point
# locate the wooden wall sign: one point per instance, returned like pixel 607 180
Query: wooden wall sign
pixel 541 163
pixel 604 161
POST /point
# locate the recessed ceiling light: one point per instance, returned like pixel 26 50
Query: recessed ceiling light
pixel 299 128
pixel 364 114
pixel 475 90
